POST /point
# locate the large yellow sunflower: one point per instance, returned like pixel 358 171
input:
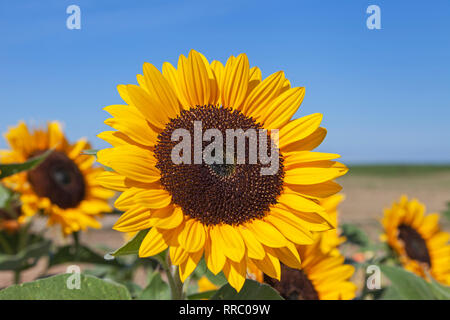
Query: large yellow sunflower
pixel 417 239
pixel 227 213
pixel 63 186
pixel 322 276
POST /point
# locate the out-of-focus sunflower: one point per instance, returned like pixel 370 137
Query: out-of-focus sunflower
pixel 331 239
pixel 230 214
pixel 322 276
pixel 205 285
pixel 63 186
pixel 417 239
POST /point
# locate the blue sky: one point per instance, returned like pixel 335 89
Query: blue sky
pixel 385 94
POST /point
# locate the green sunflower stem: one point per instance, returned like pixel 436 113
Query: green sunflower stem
pixel 173 276
pixel 76 242
pixel 17 276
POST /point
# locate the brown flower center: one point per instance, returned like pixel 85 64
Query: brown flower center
pixel 59 179
pixel 230 193
pixel 415 245
pixel 294 285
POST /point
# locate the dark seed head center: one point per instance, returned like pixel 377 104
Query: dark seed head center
pixel 230 193
pixel 59 179
pixel 415 246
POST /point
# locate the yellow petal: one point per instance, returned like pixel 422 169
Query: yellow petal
pixel 289 256
pixel 130 161
pixel 159 88
pixel 190 264
pixel 311 222
pixel 254 248
pixel 235 272
pixel 117 138
pixel 263 95
pixel 170 73
pixel 214 256
pixel 235 82
pixel 154 198
pixel 292 231
pixel 178 255
pixel 55 135
pixel 167 218
pixel 152 244
pixel 123 92
pixel 293 158
pixel 230 241
pixel 197 79
pixel 150 106
pixel 282 108
pixel 193 236
pixel 134 219
pixel 266 233
pixel 299 129
pixel 313 174
pixel 299 203
pixel 218 70
pixel 77 148
pixel 128 120
pixel 111 180
pixel 254 80
pixel 316 191
pixel 309 143
pixel 270 265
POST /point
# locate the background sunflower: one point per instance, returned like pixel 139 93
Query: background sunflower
pixel 417 239
pixel 63 186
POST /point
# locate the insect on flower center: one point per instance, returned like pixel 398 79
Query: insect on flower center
pixel 59 179
pixel 228 192
pixel 415 245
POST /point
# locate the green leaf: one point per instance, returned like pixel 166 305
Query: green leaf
pixel 202 295
pixel 156 289
pixel 407 285
pixel 90 152
pixel 202 270
pixel 68 254
pixel 25 258
pixel 7 170
pixel 132 246
pixel 56 288
pixel 252 290
pixel 5 196
pixel 355 235
pixel 440 291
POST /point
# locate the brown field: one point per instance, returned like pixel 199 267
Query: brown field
pixel 367 193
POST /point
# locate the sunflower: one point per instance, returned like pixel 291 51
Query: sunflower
pixel 227 213
pixel 204 284
pixel 417 239
pixel 322 276
pixel 63 186
pixel 331 239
